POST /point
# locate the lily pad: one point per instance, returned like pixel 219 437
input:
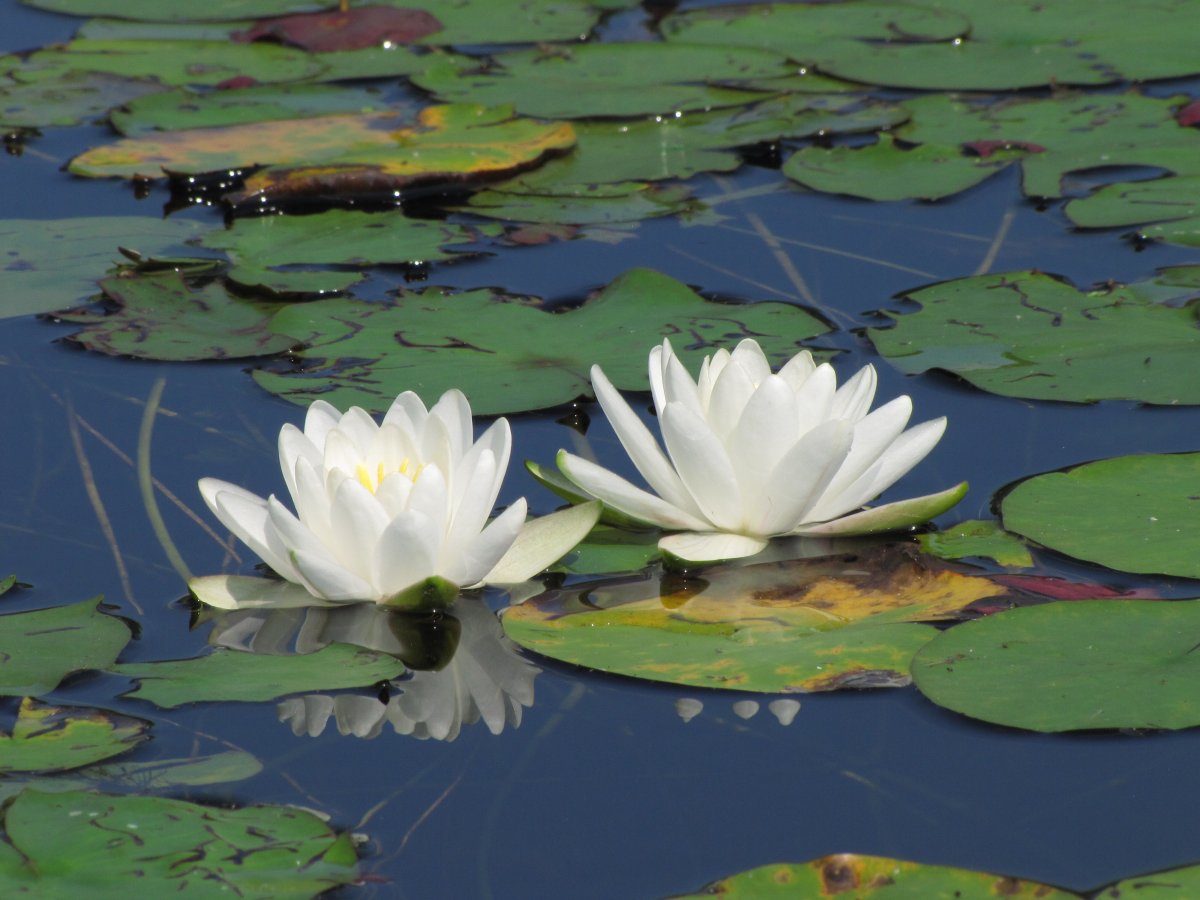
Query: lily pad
pixel 803 625
pixel 1070 666
pixel 179 109
pixel 82 844
pixel 1173 884
pixel 52 738
pixel 609 549
pixel 1028 334
pixel 961 44
pixel 588 80
pixel 249 677
pixel 50 264
pixel 591 205
pixel 506 353
pixel 886 170
pixel 73 98
pixel 355 28
pixel 463 22
pixel 865 877
pixel 1137 202
pixel 337 237
pixel 1132 513
pixel 170 62
pixel 977 538
pixel 42 647
pixel 159 316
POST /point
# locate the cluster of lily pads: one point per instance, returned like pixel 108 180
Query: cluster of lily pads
pixel 265 106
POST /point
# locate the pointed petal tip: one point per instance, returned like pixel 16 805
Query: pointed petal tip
pixel 890 516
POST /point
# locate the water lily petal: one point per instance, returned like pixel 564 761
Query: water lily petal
pixel 854 398
pixel 312 500
pixel 497 440
pixel 678 386
pixel 480 556
pixel 890 516
pixel 360 428
pixel 320 419
pixel 800 478
pixel 703 465
pixel 544 541
pixel 471 514
pixel 749 357
pixel 356 521
pixel 872 436
pixel 732 390
pixel 245 514
pixel 407 412
pixel 797 370
pixel 621 495
pixel 658 357
pixel 455 413
pixel 330 581
pixel 641 446
pixel 430 496
pixel 246 592
pixel 406 553
pixel 767 428
pixel 710 546
pixel 815 401
pixel 294 445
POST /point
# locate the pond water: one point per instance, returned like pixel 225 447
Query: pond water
pixel 603 790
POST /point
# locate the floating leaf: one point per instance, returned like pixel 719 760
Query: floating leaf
pixel 606 204
pixel 1132 513
pixel 961 44
pixel 50 264
pixel 73 98
pixel 888 171
pixel 589 80
pixel 41 648
pixel 1132 203
pixel 248 677
pixel 81 844
pixel 180 109
pixel 336 237
pixel 1028 334
pixel 1173 884
pixel 53 738
pixel 803 625
pixel 866 877
pixel 977 538
pixel 170 62
pixel 504 352
pixel 611 550
pixel 159 316
pixel 349 29
pixel 1070 666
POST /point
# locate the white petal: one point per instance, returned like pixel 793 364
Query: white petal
pixel 331 581
pixel 455 413
pixel 498 441
pixel 766 430
pixel 477 558
pixel 544 541
pixel 245 514
pixel 890 516
pixel 710 546
pixel 872 436
pixel 678 387
pixel 800 479
pixel 904 453
pixel 430 496
pixel 472 512
pixel 393 495
pixel 798 369
pixel 435 447
pixel 294 446
pixel 311 499
pixel 749 357
pixel 641 446
pixel 244 592
pixel 816 399
pixel 853 398
pixel 360 428
pixel 341 453
pixel 732 390
pixel 624 497
pixel 407 412
pixel 357 521
pixel 320 419
pixel 407 552
pixel 703 465
pixel 286 534
pixel 658 357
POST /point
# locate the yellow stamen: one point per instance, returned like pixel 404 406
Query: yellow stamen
pixel 372 480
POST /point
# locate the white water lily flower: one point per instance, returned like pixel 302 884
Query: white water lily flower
pixel 752 455
pixel 394 513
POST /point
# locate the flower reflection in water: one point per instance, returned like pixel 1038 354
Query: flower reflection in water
pixel 463 667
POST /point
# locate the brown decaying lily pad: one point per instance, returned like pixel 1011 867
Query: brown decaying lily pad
pixel 354 29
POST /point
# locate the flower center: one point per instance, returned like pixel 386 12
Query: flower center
pixel 371 480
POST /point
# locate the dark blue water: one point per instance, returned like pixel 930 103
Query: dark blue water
pixel 603 791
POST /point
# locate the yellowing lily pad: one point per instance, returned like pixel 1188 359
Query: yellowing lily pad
pixel 808 625
pixel 869 877
pixel 1028 334
pixel 50 738
pixel 506 353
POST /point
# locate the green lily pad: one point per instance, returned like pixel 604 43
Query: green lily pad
pixel 180 109
pixel 249 677
pixel 1173 884
pixel 506 353
pixel 609 549
pixel 1070 666
pixel 977 538
pixel 1132 513
pixel 50 264
pixel 1182 231
pixel 51 738
pixel 870 877
pixel 588 80
pixel 1062 134
pixel 588 205
pixel 82 844
pixel 800 625
pixel 961 44
pixel 73 98
pixel 463 22
pixel 159 316
pixel 42 647
pixel 887 171
pixel 170 62
pixel 161 774
pixel 1028 334
pixel 1136 202
pixel 337 237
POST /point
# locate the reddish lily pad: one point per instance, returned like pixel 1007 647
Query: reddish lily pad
pixel 352 29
